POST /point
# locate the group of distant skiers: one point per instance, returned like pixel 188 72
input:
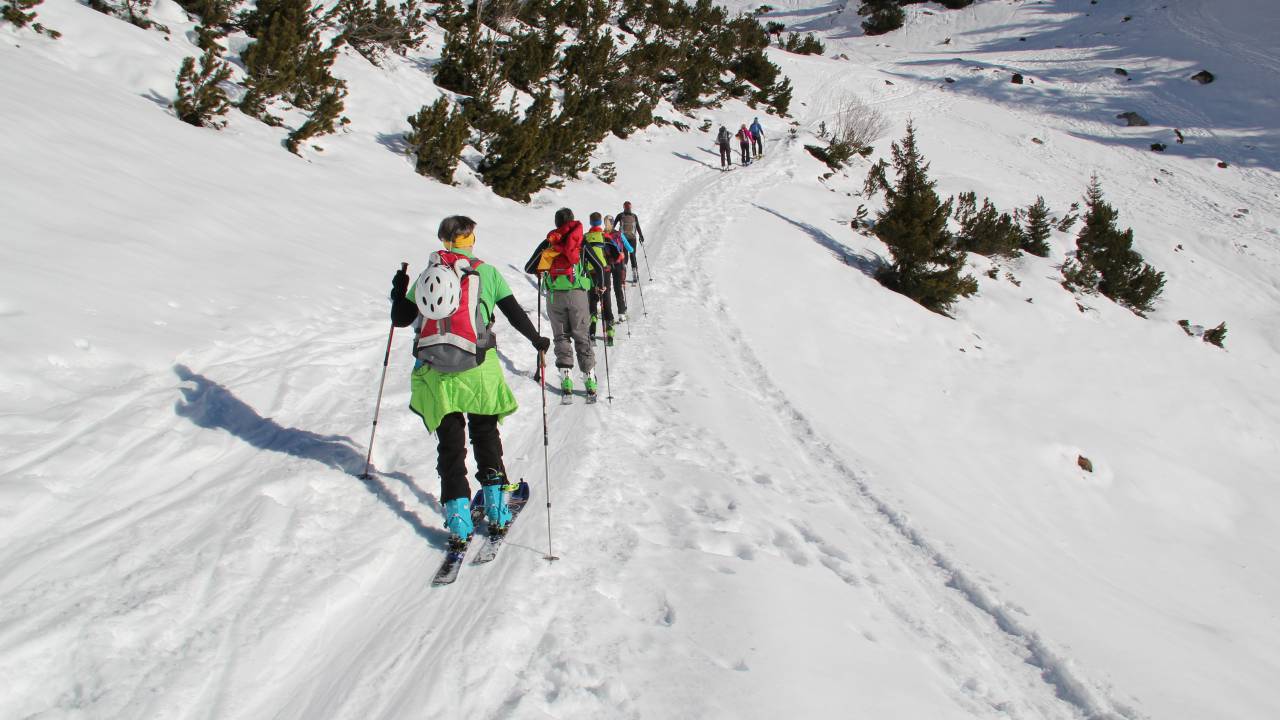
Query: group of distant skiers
pixel 750 142
pixel 458 386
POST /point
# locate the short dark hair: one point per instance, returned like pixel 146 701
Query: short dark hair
pixel 596 218
pixel 455 226
pixel 563 215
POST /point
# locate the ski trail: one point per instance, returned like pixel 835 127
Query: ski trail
pixel 1065 684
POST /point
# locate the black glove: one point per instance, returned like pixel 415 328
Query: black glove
pixel 399 284
pixel 542 344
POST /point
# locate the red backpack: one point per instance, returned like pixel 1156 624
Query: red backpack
pixel 458 342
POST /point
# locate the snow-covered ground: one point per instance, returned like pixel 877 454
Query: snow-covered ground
pixel 808 494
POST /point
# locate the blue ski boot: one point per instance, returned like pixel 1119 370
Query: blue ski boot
pixel 496 492
pixel 457 520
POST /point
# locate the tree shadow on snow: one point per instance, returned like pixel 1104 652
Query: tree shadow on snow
pixel 395 142
pixel 210 405
pixel 867 265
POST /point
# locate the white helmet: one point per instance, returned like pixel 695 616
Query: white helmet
pixel 437 292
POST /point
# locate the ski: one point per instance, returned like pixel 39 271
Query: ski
pixel 592 398
pixel 448 571
pixel 493 541
pixel 566 399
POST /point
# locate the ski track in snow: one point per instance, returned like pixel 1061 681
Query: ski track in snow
pixel 1053 670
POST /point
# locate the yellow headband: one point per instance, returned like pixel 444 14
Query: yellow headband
pixel 463 241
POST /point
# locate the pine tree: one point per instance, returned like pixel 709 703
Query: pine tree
pixel 926 264
pixel 882 16
pixel 20 13
pixel 1103 249
pixel 378 29
pixel 469 64
pixel 201 98
pixel 436 138
pixel 515 164
pixel 287 59
pixel 1216 335
pixel 215 20
pixel 322 119
pixel 1035 236
pixel 986 231
pixel 529 57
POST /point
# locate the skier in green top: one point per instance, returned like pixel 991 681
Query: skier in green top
pixel 479 397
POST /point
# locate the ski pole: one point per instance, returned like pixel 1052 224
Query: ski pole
pixel 645 253
pixel 546 435
pixel 607 384
pixel 640 285
pixel 377 408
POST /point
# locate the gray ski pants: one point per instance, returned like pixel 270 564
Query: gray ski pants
pixel 570 315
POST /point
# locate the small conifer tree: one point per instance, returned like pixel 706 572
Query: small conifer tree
pixel 377 29
pixel 1035 234
pixel 927 265
pixel 20 14
pixel 515 164
pixel 215 20
pixel 322 119
pixel 1216 335
pixel 1104 249
pixel 882 16
pixel 985 231
pixel 287 59
pixel 436 138
pixel 201 98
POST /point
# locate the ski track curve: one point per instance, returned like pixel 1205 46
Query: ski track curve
pixel 1054 671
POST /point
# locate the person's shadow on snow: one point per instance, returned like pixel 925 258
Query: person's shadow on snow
pixel 210 405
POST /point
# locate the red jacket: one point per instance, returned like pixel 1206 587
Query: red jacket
pixel 567 241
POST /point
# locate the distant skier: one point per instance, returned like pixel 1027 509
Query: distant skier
pixel 565 273
pixel 744 143
pixel 757 137
pixel 624 251
pixel 449 380
pixel 726 153
pixel 629 224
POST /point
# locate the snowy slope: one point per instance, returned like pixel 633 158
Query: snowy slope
pixel 798 502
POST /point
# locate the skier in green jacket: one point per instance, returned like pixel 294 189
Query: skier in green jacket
pixel 449 402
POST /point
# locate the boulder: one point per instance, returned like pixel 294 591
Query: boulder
pixel 1085 463
pixel 1159 147
pixel 1016 79
pixel 1133 119
pixel 1204 77
pixel 1121 72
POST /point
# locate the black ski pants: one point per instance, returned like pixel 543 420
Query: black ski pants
pixel 619 272
pixel 746 151
pixel 451 451
pixel 600 296
pixel 726 155
pixel 757 145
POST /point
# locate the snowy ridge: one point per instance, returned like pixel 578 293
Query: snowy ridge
pixel 809 495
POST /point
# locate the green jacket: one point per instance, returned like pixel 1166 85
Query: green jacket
pixel 482 390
